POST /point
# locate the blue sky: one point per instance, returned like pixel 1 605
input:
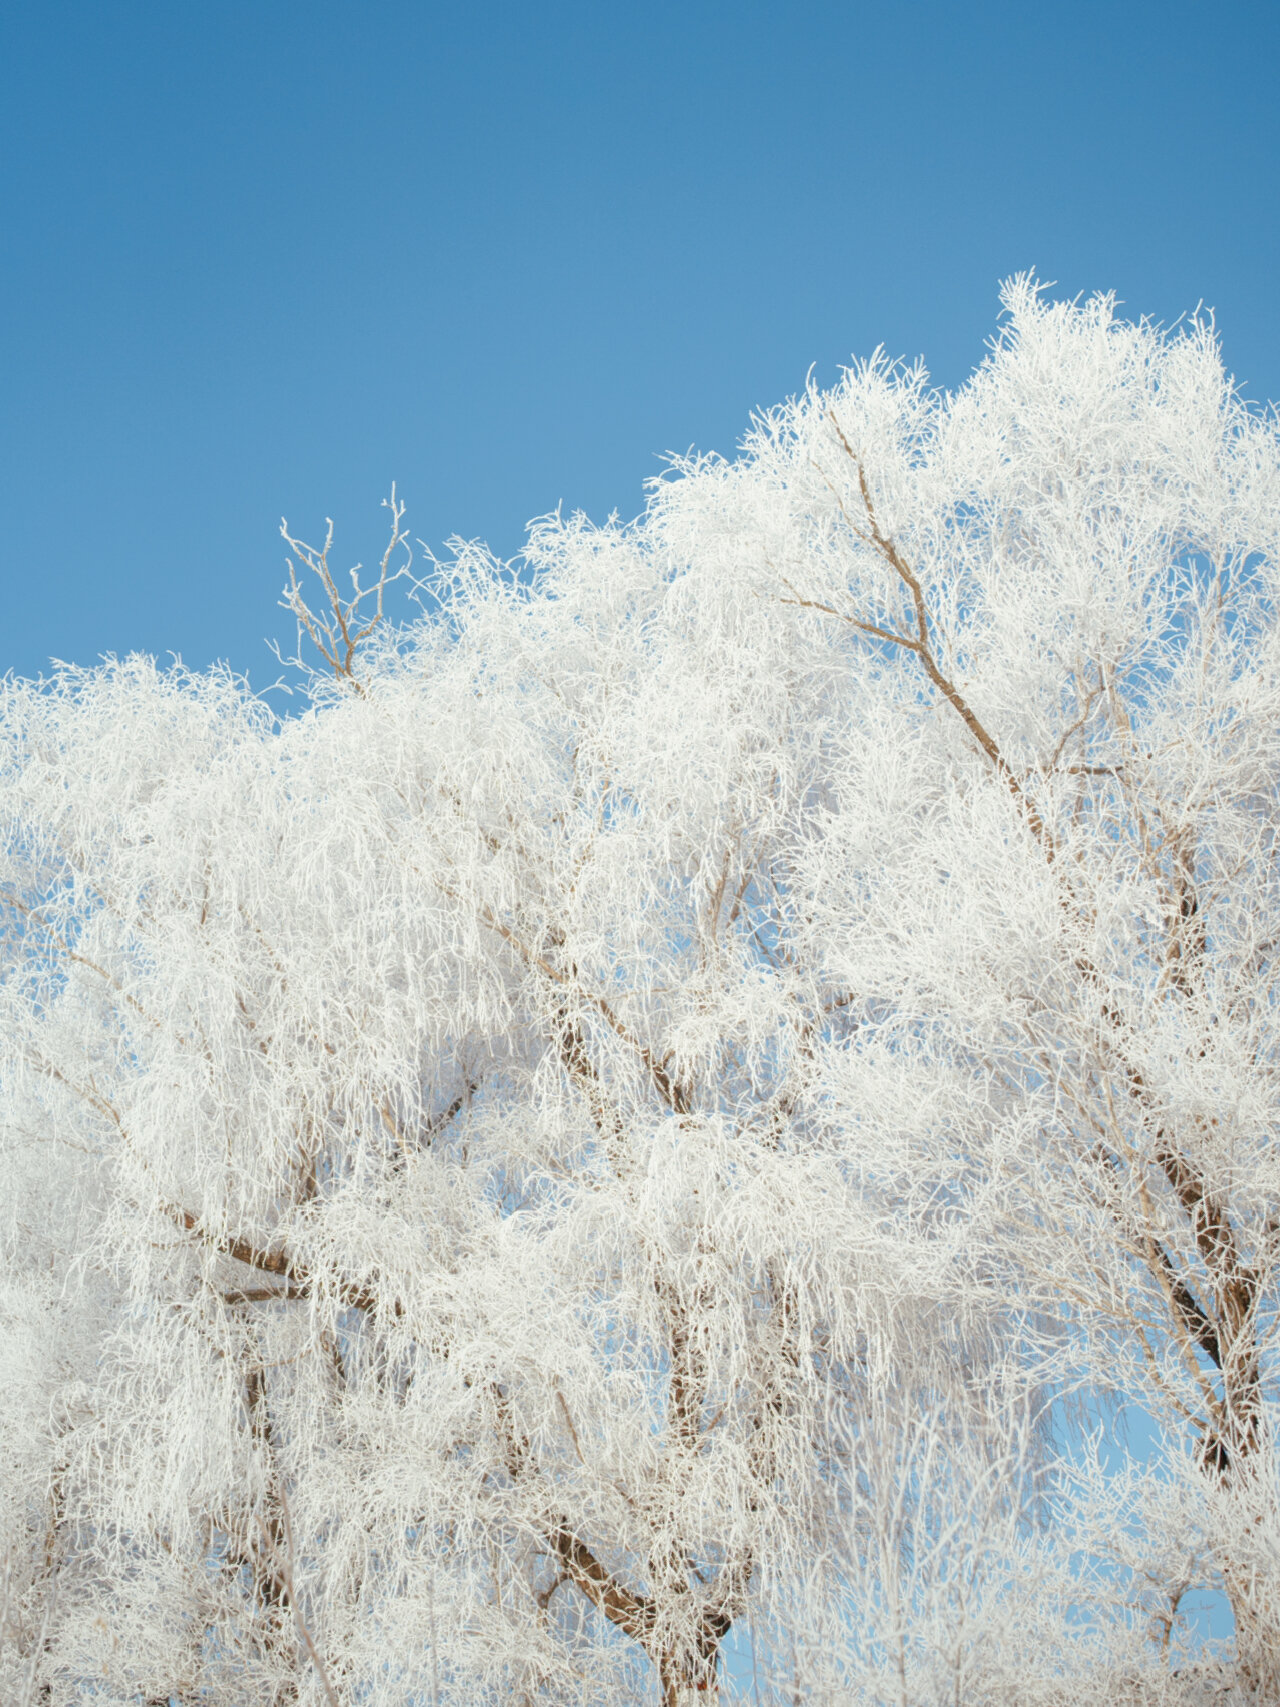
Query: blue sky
pixel 264 259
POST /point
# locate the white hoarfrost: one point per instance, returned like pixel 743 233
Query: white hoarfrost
pixel 673 1109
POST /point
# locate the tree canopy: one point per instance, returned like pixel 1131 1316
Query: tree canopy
pixel 686 1096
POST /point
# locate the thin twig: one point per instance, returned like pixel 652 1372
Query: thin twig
pixel 284 1574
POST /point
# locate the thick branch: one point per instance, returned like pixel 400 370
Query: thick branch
pixel 1214 1236
pixel 672 1092
pixel 920 644
pixel 299 1277
pixel 634 1614
pixel 1194 1318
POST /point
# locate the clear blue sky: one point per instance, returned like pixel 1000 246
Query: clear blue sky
pixel 263 259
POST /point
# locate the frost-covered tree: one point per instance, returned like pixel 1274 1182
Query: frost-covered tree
pixel 631 1116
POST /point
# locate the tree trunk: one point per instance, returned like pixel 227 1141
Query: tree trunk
pixel 1257 1619
pixel 690 1680
pixel 678 1690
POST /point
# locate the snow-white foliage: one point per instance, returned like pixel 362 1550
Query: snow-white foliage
pixel 660 1106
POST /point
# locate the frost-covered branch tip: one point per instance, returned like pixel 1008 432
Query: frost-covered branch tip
pixel 338 631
